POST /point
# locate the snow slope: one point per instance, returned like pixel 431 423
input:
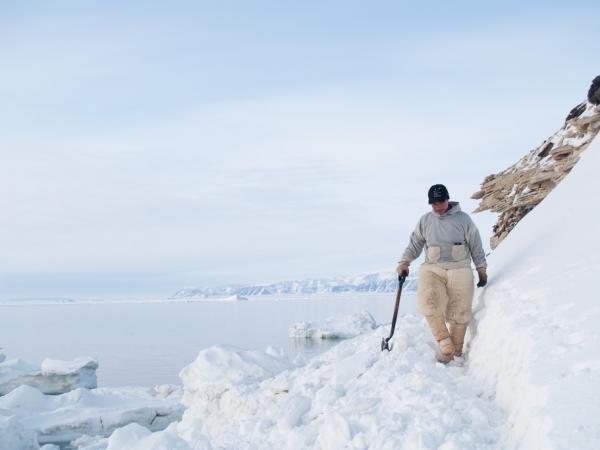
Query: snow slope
pixel 537 336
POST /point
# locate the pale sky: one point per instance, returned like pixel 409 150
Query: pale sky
pixel 149 147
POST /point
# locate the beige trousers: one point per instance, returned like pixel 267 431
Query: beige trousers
pixel 446 292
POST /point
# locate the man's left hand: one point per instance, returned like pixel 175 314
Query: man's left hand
pixel 482 277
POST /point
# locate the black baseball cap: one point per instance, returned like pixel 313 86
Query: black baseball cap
pixel 437 193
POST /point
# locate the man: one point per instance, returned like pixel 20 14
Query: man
pixel 445 292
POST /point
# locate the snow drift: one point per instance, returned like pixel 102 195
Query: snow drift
pixel 536 342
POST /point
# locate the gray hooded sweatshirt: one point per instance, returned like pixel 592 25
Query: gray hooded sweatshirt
pixel 450 240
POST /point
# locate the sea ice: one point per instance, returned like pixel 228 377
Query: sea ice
pixel 13 436
pixel 335 328
pixel 53 377
pixel 62 418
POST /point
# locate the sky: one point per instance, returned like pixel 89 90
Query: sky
pixel 148 146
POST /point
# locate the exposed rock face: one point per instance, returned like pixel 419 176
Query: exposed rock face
pixel 594 92
pixel 517 190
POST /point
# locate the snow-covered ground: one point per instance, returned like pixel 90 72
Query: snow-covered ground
pixel 353 396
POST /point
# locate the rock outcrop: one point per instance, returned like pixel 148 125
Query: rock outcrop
pixel 517 190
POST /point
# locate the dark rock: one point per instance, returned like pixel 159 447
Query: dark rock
pixel 546 149
pixel 594 92
pixel 577 111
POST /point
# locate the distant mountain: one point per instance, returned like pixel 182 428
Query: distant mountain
pixel 372 282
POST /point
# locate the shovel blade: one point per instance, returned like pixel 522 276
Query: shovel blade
pixel 385 345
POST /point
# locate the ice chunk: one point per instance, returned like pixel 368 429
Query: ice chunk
pixel 53 377
pixel 62 418
pixel 14 436
pixel 335 328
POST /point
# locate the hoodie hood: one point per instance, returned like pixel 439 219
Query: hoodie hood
pixel 453 208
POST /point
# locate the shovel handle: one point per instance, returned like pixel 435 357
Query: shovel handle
pixel 384 342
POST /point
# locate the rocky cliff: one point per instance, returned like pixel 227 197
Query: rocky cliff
pixel 518 189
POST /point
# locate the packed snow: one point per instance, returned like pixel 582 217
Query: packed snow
pixel 343 327
pixel 353 396
pixel 52 377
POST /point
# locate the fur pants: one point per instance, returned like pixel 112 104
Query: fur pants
pixel 446 292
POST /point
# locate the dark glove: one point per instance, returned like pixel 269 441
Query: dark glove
pixel 482 277
pixel 402 268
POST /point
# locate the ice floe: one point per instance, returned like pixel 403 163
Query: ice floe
pixel 52 377
pixel 343 327
pixel 62 418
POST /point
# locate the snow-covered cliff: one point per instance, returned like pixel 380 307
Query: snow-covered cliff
pixel 515 191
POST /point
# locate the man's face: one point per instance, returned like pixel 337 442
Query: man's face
pixel 440 207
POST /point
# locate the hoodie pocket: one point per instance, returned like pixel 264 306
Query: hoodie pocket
pixel 433 254
pixel 459 252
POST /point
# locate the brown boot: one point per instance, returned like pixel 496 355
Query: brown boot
pixel 457 333
pixel 446 350
pixel 441 335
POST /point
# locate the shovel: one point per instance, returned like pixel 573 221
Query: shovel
pixel 385 341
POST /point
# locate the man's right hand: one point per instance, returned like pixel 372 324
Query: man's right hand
pixel 402 268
